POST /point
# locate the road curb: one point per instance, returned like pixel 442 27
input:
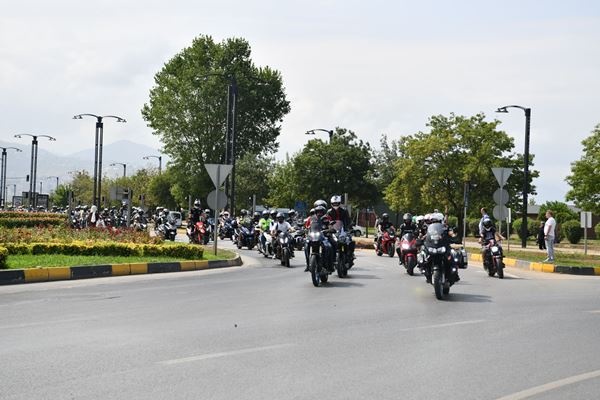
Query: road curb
pixel 543 267
pixel 16 276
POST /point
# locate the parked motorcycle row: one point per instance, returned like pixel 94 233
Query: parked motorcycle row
pixel 85 217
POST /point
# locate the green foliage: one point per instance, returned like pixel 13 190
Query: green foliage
pixel 64 234
pixel 252 174
pixel 584 178
pixel 187 109
pixel 384 161
pixel 60 197
pixel 453 221
pixel 31 222
pixel 562 212
pixel 82 186
pixel 3 256
pixel 597 230
pixel 572 230
pixel 283 185
pixel 432 167
pixel 161 188
pixel 532 227
pixel 473 226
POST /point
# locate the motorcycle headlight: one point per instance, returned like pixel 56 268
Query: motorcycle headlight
pixel 405 246
pixel 495 249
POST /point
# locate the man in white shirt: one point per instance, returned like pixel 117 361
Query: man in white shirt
pixel 549 228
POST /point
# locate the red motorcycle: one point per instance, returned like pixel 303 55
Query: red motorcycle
pixel 407 251
pixel 386 243
pixel 199 234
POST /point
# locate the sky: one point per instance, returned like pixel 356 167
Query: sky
pixel 375 67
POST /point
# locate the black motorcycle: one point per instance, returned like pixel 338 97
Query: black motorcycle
pixel 341 245
pixel 245 237
pixel 226 230
pixel 493 259
pixel 283 251
pixel 436 260
pixel 167 230
pixel 319 263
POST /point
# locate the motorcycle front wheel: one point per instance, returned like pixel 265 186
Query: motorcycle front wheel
pixel 342 271
pixel 499 268
pixel 411 262
pixel 285 258
pixel 314 270
pixel 438 284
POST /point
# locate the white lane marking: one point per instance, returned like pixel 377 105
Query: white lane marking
pixel 551 386
pixel 224 354
pixel 594 311
pixel 474 321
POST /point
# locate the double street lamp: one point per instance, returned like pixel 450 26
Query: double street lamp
pixel 3 175
pixel 97 192
pixel 124 167
pixel 159 161
pixel 526 168
pixel 314 131
pixel 33 173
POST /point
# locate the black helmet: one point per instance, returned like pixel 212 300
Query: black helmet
pixel 243 212
pixel 407 218
pixel 487 224
pixel 280 217
pixel 320 211
pixel 385 216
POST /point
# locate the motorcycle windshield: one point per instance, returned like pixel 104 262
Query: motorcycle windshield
pixel 435 235
pixel 408 237
pixel 337 225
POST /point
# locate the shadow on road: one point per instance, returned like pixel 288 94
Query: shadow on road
pixel 468 298
pixel 344 283
pixel 361 276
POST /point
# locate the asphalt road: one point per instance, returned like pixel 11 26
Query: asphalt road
pixel 262 331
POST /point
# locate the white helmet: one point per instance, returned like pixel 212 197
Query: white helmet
pixel 336 201
pixel 226 214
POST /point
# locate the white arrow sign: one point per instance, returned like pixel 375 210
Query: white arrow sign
pixel 218 173
pixel 502 175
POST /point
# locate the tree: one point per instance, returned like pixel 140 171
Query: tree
pixel 339 166
pixel 188 107
pixel 60 197
pixel 283 185
pixel 433 167
pixel 562 212
pixel 161 189
pixel 82 187
pixel 384 160
pixel 251 177
pixel 584 178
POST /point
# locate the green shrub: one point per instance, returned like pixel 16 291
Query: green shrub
pixel 30 222
pixel 532 227
pixel 3 257
pixel 597 230
pixel 473 226
pixel 453 221
pixel 572 230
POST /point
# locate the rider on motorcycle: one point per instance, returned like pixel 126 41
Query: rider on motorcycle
pixel 263 225
pixel 383 225
pixel 319 217
pixel 281 225
pixel 195 215
pixel 338 213
pixel 487 234
pixel 407 226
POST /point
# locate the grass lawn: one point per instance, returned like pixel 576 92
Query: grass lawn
pixel 561 258
pixel 60 260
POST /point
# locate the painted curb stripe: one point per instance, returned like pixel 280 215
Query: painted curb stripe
pixel 90 271
pixel 36 275
pixel 188 265
pixel 10 276
pixel 203 264
pixel 138 268
pixel 121 269
pixel 59 274
pixel 159 267
pixel 543 267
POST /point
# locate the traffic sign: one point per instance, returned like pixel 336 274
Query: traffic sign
pixel 501 196
pixel 211 199
pixel 500 212
pixel 586 219
pixel 218 173
pixel 502 175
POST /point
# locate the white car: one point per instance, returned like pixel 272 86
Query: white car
pixel 358 231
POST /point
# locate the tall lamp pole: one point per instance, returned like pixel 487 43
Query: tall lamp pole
pixel 97 192
pixel 33 173
pixel 124 167
pixel 159 161
pixel 3 175
pixel 314 131
pixel 526 168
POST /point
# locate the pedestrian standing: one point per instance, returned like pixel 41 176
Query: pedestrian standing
pixel 541 240
pixel 549 229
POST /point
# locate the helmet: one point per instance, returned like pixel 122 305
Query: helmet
pixel 336 201
pixel 436 217
pixel 197 203
pixel 243 212
pixel 273 213
pixel 280 217
pixel 321 203
pixel 165 211
pixel 207 211
pixel 292 213
pixel 385 216
pixel 312 211
pixel 256 215
pixel 265 214
pixel 320 211
pixel 407 218
pixel 487 224
pixel 226 214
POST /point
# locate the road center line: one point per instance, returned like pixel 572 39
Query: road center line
pixel 551 386
pixel 224 354
pixel 474 321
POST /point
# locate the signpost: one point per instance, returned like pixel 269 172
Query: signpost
pixel 501 196
pixel 217 198
pixel 586 222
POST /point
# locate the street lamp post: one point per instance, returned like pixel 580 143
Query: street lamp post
pixel 124 167
pixel 97 192
pixel 33 173
pixel 314 131
pixel 3 175
pixel 159 161
pixel 526 168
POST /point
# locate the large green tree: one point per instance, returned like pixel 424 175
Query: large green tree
pixel 251 177
pixel 433 167
pixel 585 176
pixel 188 107
pixel 283 185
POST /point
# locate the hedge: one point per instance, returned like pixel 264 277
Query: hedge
pixel 183 251
pixel 3 255
pixel 573 231
pixel 30 222
pixel 532 226
pixel 23 214
pixel 597 229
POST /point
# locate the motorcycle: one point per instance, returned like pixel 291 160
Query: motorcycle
pixel 341 244
pixel 298 237
pixel 493 259
pixel 226 230
pixel 197 233
pixel 166 230
pixel 437 261
pixel 319 265
pixel 407 252
pixel 388 240
pixel 460 257
pixel 284 251
pixel 266 248
pixel 245 237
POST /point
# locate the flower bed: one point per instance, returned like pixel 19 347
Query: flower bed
pixel 63 234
